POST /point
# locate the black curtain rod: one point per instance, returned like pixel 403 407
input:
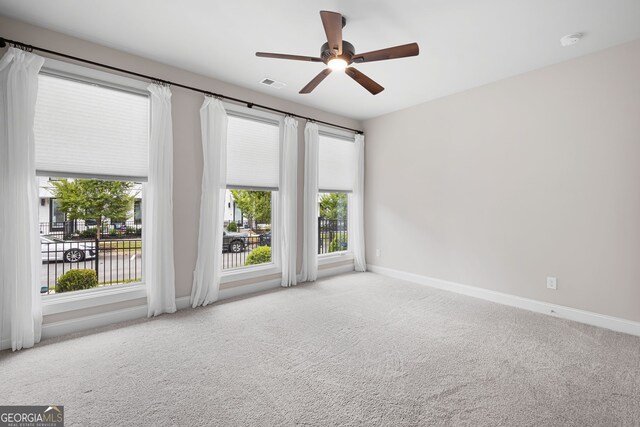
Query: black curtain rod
pixel 30 48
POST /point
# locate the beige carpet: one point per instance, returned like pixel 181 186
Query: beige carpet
pixel 358 349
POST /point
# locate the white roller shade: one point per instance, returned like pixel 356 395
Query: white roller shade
pixel 87 130
pixel 252 153
pixel 337 163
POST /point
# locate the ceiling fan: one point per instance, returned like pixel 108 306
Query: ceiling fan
pixel 339 54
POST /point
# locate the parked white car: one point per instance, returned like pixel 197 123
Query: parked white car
pixel 53 249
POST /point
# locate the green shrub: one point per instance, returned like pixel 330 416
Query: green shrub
pixel 338 243
pixel 232 227
pixel 259 255
pixel 76 280
pixel 113 232
pixel 89 233
pixel 133 231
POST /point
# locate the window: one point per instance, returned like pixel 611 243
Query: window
pixel 335 181
pixel 91 141
pixel 332 222
pixel 137 210
pixel 249 244
pixel 56 215
pixel 253 176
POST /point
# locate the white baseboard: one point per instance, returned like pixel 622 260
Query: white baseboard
pixel 237 291
pixel 79 324
pixel 276 283
pixel 183 302
pixel 65 327
pixel 332 271
pixel 5 344
pixel 582 316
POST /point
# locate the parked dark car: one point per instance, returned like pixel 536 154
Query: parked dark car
pixel 265 239
pixel 234 242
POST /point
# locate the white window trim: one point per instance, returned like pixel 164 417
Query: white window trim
pixel 348 136
pixel 275 266
pixel 252 272
pixel 89 75
pixel 77 300
pixel 254 114
pixel 334 257
pixel 108 294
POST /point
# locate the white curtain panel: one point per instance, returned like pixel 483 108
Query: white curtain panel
pixel 356 208
pixel 206 277
pixel 288 201
pixel 20 262
pixel 309 271
pixel 157 207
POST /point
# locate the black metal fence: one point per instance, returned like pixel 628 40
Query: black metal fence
pixel 235 250
pixel 332 235
pixel 118 260
pixel 74 229
pixel 115 261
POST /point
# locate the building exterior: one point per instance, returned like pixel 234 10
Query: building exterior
pixel 52 219
pixel 231 211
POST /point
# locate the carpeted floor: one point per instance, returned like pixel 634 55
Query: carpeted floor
pixel 357 349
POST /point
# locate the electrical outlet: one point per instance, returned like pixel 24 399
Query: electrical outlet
pixel 552 283
pixel 377 252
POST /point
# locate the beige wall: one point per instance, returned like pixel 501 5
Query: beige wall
pixel 501 186
pixel 186 130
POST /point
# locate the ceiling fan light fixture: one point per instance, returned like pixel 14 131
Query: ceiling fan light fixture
pixel 338 54
pixel 337 64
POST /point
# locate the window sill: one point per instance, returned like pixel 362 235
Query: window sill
pixel 335 257
pixel 244 273
pixel 60 303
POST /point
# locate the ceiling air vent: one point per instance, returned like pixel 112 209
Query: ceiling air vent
pixel 272 83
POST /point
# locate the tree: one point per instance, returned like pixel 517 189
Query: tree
pixel 94 199
pixel 333 206
pixel 255 205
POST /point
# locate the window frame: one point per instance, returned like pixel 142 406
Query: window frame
pixel 348 137
pixel 76 300
pixel 52 203
pixel 275 266
pixel 272 267
pixel 331 257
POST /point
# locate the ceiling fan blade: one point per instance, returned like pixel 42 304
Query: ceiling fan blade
pixel 364 81
pixel 285 56
pixel 402 51
pixel 332 22
pixel 316 81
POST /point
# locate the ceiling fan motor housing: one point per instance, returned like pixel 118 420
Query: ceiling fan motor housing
pixel 347 52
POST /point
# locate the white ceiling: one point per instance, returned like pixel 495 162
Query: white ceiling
pixel 463 43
